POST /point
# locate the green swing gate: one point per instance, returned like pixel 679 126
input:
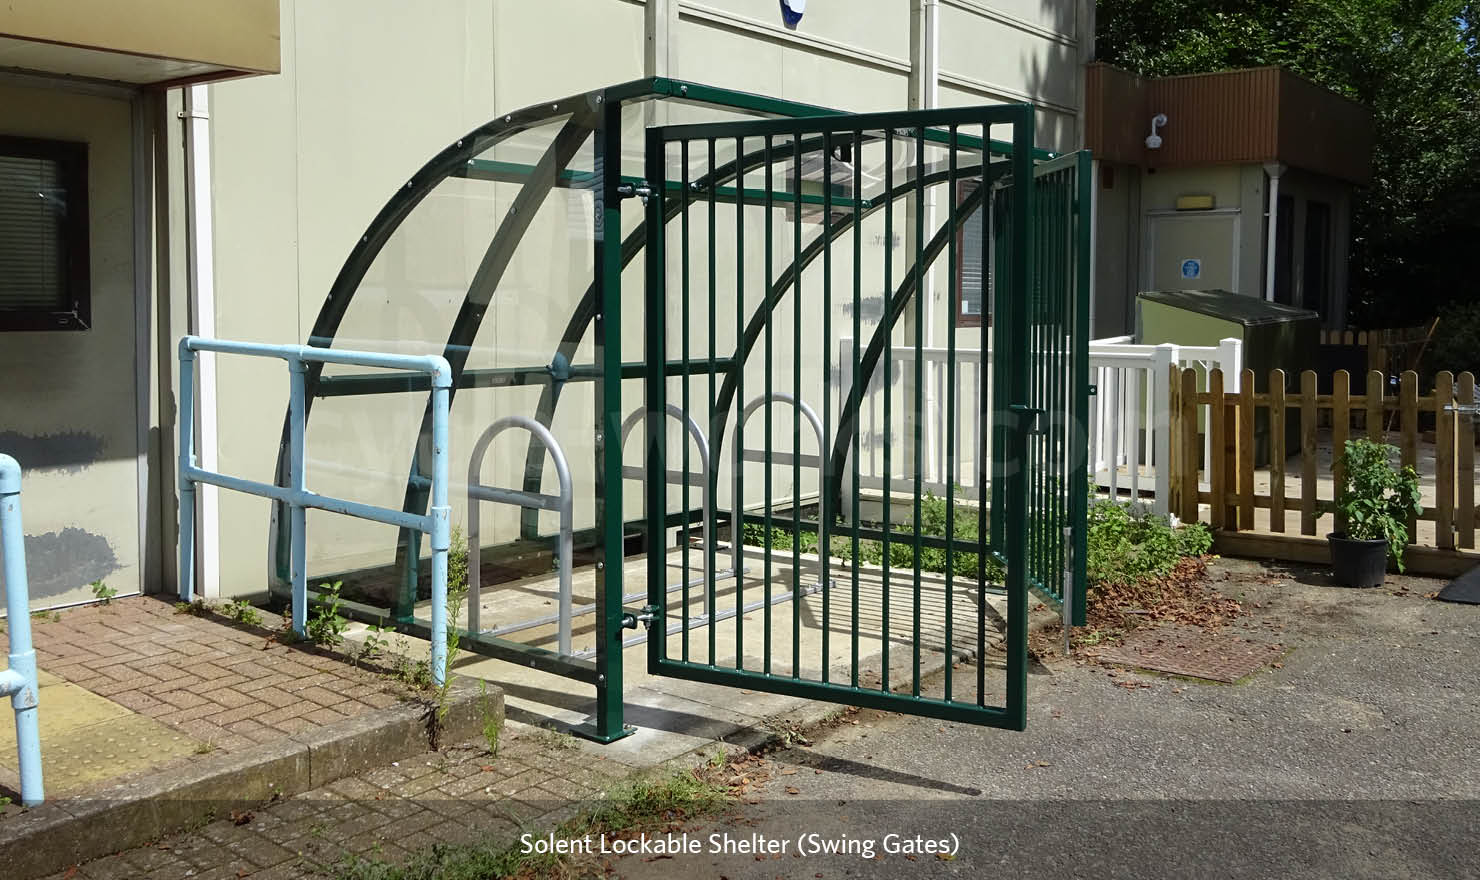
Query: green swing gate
pixel 880 322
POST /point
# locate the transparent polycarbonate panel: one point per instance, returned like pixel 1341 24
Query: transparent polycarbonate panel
pixel 489 268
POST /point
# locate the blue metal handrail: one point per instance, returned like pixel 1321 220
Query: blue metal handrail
pixel 19 681
pixel 436 523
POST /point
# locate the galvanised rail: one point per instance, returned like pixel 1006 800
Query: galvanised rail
pixel 435 523
pixel 19 680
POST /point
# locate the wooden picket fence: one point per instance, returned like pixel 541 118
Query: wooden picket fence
pixel 1251 509
pixel 1388 351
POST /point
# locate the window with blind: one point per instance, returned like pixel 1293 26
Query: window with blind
pixel 43 235
pixel 970 265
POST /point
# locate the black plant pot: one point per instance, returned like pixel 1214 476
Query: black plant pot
pixel 1358 563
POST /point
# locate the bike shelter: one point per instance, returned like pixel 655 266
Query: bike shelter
pixel 904 471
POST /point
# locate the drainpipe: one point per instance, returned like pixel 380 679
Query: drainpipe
pixel 202 322
pixel 19 680
pixel 1274 170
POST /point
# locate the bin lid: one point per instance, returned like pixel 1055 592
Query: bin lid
pixel 1246 310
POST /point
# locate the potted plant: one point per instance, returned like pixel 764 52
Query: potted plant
pixel 1375 500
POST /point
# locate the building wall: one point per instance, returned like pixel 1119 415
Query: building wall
pixel 68 399
pixel 303 160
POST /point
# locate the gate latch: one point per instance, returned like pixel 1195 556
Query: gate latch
pixel 1464 409
pixel 1033 420
pixel 641 189
pixel 646 616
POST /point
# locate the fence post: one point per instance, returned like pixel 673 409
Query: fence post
pixel 19 680
pixel 1245 481
pixel 1162 360
pixel 1190 446
pixel 1408 401
pixel 1465 462
pixel 1220 450
pixel 1277 450
pixel 1444 460
pixel 1309 506
pixel 1231 359
pixel 1340 427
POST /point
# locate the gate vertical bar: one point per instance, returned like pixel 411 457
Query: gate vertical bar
pixel 768 292
pixel 796 416
pixel 825 513
pixel 854 390
pixel 684 199
pixel 1018 357
pixel 714 419
pixel 655 401
pixel 888 383
pixel 1078 425
pixel 737 503
pixel 953 420
pixel 607 260
pixel 919 389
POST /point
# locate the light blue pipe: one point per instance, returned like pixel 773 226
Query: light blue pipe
pixel 19 681
pixel 436 524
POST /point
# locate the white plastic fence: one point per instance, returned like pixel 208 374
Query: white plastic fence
pixel 1129 421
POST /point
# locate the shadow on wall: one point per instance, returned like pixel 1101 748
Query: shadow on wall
pixel 60 562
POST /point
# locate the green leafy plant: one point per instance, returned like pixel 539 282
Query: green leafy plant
pixel 457 591
pixel 326 626
pixel 242 611
pixel 374 644
pixel 102 592
pixel 1124 547
pixel 1376 499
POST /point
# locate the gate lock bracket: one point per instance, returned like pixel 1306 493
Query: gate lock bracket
pixel 1464 409
pixel 646 616
pixel 1033 420
pixel 641 189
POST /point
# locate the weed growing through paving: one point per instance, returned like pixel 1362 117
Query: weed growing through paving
pixel 325 626
pixel 198 607
pixel 646 805
pixel 46 616
pixel 243 612
pixel 102 592
pixel 493 724
pixel 457 591
pixel 374 644
pixel 549 738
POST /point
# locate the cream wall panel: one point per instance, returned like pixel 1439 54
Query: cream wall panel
pixel 557 48
pixel 1017 63
pixel 739 60
pixel 67 403
pixel 880 27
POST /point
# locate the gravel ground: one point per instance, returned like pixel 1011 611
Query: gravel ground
pixel 1355 757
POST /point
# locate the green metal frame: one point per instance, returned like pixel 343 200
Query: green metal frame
pixel 596 118
pixel 938 126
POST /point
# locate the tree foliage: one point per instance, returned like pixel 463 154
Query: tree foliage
pixel 1415 63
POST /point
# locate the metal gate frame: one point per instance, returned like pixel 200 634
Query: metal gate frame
pixel 1015 409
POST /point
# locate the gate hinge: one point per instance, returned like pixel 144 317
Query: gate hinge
pixel 641 189
pixel 1033 418
pixel 646 617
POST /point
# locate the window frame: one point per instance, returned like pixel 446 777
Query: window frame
pixel 71 160
pixel 964 189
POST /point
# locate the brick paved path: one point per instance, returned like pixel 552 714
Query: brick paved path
pixel 226 686
pixel 459 795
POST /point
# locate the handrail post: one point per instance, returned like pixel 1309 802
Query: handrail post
pixel 297 514
pixel 19 680
pixel 441 512
pixel 186 417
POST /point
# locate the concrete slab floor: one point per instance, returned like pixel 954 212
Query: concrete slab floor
pixel 673 717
